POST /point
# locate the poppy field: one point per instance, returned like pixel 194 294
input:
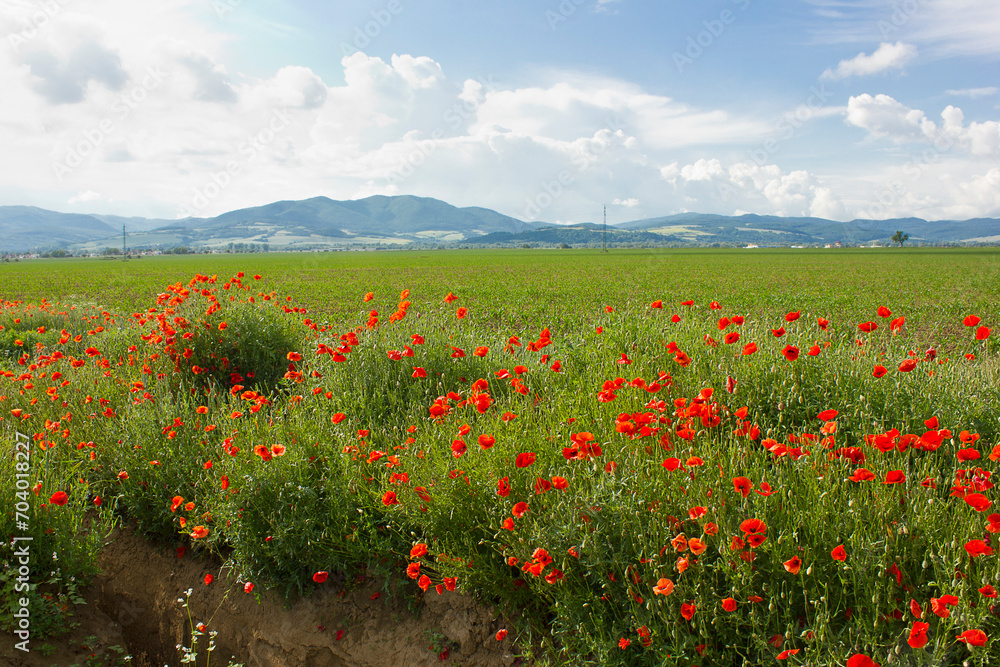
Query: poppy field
pixel 721 457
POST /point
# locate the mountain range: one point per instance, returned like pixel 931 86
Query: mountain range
pixel 406 220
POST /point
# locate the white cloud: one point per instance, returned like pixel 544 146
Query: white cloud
pixel 86 196
pixel 886 57
pixel 974 93
pixel 941 28
pixel 884 117
pixel 546 151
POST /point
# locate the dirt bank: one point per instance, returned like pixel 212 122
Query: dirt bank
pixel 134 604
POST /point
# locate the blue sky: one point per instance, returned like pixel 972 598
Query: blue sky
pixel 543 110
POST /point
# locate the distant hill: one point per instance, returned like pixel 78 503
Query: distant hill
pixel 776 230
pixel 324 223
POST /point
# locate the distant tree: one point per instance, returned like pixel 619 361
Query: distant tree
pixel 900 238
pixel 112 251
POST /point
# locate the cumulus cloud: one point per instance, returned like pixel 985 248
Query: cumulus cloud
pixel 886 57
pixel 884 117
pixel 159 125
pixel 64 80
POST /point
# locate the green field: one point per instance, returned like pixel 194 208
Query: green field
pixel 668 457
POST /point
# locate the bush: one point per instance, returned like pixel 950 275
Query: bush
pixel 216 343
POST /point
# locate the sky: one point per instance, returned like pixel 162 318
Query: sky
pixel 544 110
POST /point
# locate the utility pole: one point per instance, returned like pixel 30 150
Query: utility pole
pixel 124 249
pixel 604 241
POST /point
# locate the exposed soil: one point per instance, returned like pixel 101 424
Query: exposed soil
pixel 134 604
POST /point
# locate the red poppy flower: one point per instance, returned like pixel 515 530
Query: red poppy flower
pixel 862 475
pixel 503 487
pixel 784 654
pixel 971 321
pixel 623 643
pixel 501 634
pixel 525 459
pixel 793 564
pixel 390 498
pixel 750 526
pixel 247 587
pixel 731 337
pixel 418 550
pixel 672 464
pixel 424 582
pixel 199 532
pixel 657 304
pixel 791 317
pixel 778 333
pixel 59 498
pixel 743 486
pixel 894 477
pixel 209 579
pixel 823 323
pixel 940 605
pixel 868 327
pixel 729 604
pixel 907 366
pixel 884 312
pixel 791 352
pixel 861 660
pixel 839 553
pixel 663 587
pixel 320 577
pixel 978 548
pixel 918 634
pixel 993 522
pixel 982 333
pixel 988 591
pixel 749 349
pixel 519 509
pixel 458 447
pixel 973 637
pixel 688 610
pixel 827 415
pixel 461 312
pixel 978 502
pixel 879 371
pixel 450 298
pixel 560 483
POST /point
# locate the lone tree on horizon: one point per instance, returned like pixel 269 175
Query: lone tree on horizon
pixel 900 238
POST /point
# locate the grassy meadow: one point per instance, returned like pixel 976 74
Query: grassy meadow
pixel 662 457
